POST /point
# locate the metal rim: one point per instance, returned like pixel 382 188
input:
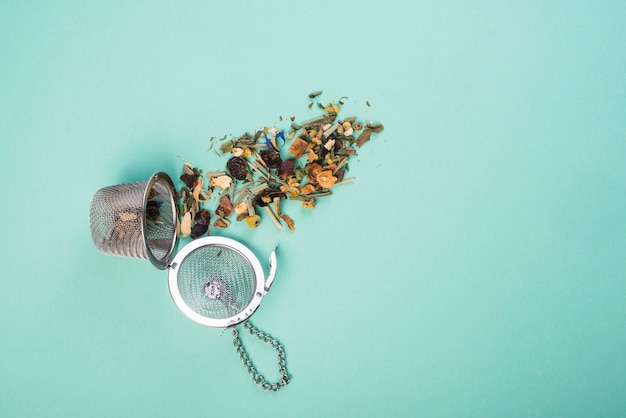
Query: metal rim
pixel 166 180
pixel 225 243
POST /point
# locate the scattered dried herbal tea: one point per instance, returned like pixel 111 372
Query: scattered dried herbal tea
pixel 303 162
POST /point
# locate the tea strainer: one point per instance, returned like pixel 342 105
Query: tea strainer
pixel 214 281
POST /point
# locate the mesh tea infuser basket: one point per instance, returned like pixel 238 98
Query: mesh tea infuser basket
pixel 215 281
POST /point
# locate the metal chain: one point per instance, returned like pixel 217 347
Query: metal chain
pixel 258 378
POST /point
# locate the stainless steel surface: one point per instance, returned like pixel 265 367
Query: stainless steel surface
pixel 216 281
pixel 120 226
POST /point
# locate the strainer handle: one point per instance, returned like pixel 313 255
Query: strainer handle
pixel 273 267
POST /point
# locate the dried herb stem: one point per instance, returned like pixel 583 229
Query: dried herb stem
pixel 277 206
pixel 259 188
pixel 324 119
pixel 274 218
pixel 266 172
pixel 251 210
pixel 343 162
pixel 330 130
pixel 348 180
pixel 256 168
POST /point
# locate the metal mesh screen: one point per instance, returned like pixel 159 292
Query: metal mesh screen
pixel 216 281
pixel 160 221
pixel 117 213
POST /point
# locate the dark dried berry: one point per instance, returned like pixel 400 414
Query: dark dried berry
pixel 203 217
pixel 237 167
pixel 271 158
pixel 198 230
pixel 189 179
pixel 152 210
pixel 287 168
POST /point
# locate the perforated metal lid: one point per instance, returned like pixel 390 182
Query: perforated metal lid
pixel 216 281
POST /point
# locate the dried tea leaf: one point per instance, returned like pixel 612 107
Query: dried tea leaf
pixel 226 147
pixel 268 179
pixel 375 128
pixel 363 138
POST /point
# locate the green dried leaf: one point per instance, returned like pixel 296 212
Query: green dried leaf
pixel 375 128
pixel 315 94
pixel 226 147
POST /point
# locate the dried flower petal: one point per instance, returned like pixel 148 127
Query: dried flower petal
pixel 198 193
pixel 221 181
pixel 241 208
pixel 185 225
pixel 287 168
pixel 253 221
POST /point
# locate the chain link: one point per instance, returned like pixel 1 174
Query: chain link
pixel 258 378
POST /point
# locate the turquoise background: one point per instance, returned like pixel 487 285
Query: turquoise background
pixel 475 268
